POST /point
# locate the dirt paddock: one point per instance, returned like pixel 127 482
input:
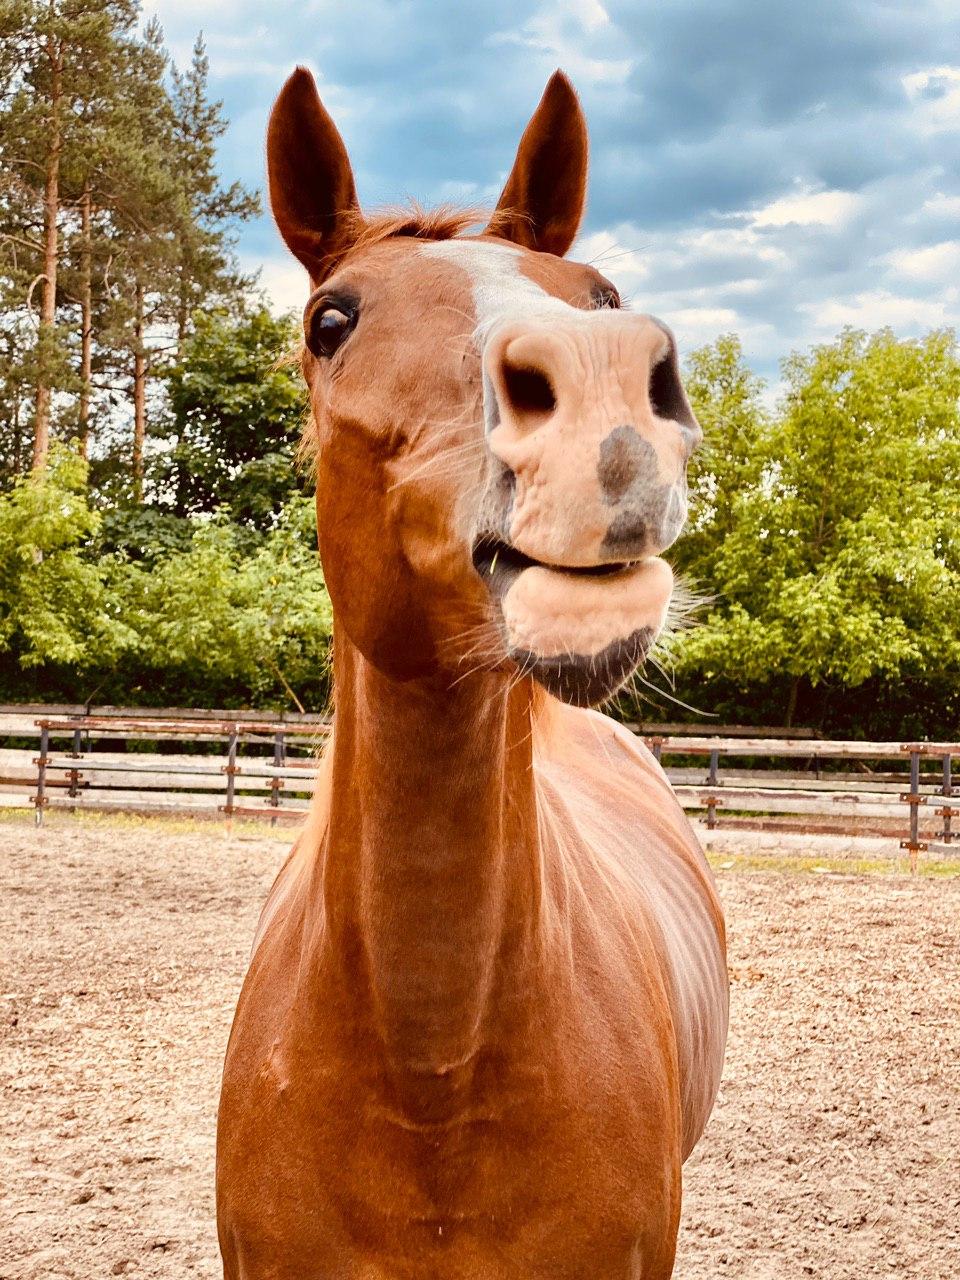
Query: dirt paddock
pixel 834 1151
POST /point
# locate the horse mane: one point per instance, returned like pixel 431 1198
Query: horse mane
pixel 445 222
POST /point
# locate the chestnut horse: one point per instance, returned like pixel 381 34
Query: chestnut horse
pixel 485 1015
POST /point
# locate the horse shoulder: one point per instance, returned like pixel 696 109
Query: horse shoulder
pixel 617 833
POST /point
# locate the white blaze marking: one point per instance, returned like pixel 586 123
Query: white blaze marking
pixel 500 290
pixel 500 293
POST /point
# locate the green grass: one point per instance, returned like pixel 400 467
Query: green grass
pixel 724 863
pixel 169 824
pixel 927 865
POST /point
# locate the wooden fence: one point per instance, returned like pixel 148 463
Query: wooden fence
pixel 262 766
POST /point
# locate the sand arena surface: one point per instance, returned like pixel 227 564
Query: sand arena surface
pixel 834 1151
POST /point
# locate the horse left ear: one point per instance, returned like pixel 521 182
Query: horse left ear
pixel 312 193
pixel 542 203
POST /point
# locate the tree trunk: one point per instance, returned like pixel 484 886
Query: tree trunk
pixel 86 322
pixel 183 312
pixel 17 443
pixel 51 211
pixel 139 397
pixel 792 702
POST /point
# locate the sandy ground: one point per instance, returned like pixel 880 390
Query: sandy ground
pixel 834 1151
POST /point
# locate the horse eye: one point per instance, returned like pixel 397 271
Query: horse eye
pixel 327 329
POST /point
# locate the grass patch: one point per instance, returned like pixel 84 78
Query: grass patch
pixel 165 823
pixel 724 862
pixel 934 867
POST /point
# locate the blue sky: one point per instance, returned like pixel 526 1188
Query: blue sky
pixel 767 166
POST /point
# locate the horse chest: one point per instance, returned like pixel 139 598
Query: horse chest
pixel 542 1163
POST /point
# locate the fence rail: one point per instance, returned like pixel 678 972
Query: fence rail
pixel 266 764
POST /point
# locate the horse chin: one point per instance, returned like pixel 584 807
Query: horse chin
pixel 579 633
pixel 584 680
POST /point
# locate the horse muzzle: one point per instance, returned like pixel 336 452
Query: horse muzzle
pixel 588 433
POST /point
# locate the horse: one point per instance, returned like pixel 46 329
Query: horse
pixel 484 1020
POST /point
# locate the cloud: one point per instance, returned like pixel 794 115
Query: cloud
pixel 757 165
pixel 878 308
pixel 557 29
pixel 935 94
pixel 822 208
pixel 935 262
pixel 941 206
pixel 282 279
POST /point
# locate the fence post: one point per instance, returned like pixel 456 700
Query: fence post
pixel 230 769
pixel 948 810
pixel 914 799
pixel 40 798
pixel 74 774
pixel 712 781
pixel 276 784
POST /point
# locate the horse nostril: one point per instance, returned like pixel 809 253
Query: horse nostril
pixel 666 393
pixel 669 400
pixel 528 392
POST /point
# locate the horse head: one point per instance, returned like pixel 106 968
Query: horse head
pixel 501 446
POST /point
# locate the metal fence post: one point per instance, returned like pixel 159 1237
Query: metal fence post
pixel 948 809
pixel 74 774
pixel 276 783
pixel 712 782
pixel 230 769
pixel 914 799
pixel 40 798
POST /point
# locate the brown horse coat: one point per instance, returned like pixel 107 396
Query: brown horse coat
pixel 485 1014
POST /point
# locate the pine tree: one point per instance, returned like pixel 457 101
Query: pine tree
pixel 206 272
pixel 57 55
pixel 114 226
pixel 147 210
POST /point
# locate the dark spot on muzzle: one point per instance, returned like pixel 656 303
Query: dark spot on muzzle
pixel 622 459
pixel 626 536
pixel 629 476
pixel 627 462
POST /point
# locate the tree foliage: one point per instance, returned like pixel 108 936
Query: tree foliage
pixel 222 615
pixel 236 413
pixel 828 532
pixel 55 604
pixel 114 227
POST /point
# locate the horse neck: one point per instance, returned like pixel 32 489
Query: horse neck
pixel 431 868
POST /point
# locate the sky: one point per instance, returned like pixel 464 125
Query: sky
pixel 778 168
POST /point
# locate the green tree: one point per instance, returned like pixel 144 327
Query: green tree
pixel 839 562
pixel 215 615
pixel 58 55
pixel 236 411
pixel 205 269
pixel 146 204
pixel 728 401
pixel 225 618
pixel 55 607
pixel 114 226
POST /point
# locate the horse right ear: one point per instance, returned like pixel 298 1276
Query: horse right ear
pixel 312 192
pixel 542 204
